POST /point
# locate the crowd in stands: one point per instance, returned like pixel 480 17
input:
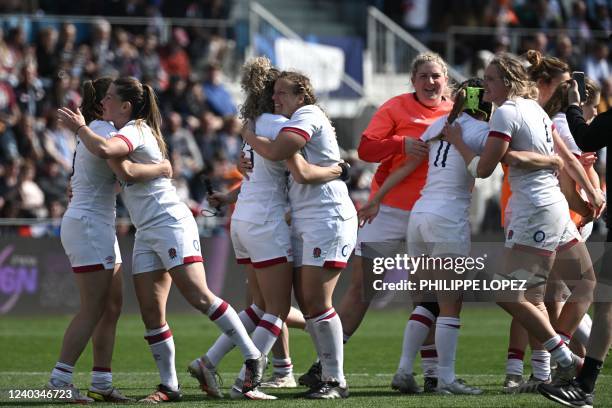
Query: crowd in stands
pixel 42 67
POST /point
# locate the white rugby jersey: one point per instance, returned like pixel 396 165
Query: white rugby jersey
pixel 560 122
pixel 263 196
pixel 92 181
pixel 527 127
pixel 152 202
pixel 329 199
pixel 448 189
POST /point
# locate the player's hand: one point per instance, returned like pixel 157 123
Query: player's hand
pixel 217 199
pixel 248 131
pixel 368 212
pixel 452 133
pixel 557 163
pixel 573 96
pixel 71 119
pixel 597 202
pixel 415 147
pixel 245 165
pixel 167 169
pixel 588 159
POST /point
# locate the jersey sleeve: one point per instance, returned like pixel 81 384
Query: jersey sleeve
pixel 503 123
pixel 434 129
pixel 303 122
pixel 379 140
pixel 560 123
pixel 269 125
pixel 131 135
pixel 481 135
pixel 102 128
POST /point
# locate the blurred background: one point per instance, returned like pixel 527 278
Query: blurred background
pixel 357 52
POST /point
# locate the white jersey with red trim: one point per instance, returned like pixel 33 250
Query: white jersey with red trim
pixel 560 122
pixel 448 189
pixel 153 202
pixel 92 181
pixel 263 196
pixel 318 200
pixel 525 125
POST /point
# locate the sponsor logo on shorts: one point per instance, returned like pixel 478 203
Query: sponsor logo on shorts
pixel 539 236
pixel 172 253
pixel 196 244
pixel 345 250
pixel 510 234
pixel 109 259
pixel 316 253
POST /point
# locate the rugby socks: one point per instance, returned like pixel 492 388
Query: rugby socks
pixel 429 360
pixel 582 333
pixel 514 363
pixel 226 318
pixel 447 335
pixel 540 364
pixel 61 374
pixel 588 374
pixel 250 319
pixel 282 366
pixel 415 333
pixel 161 343
pixel 328 328
pixel 559 351
pixel 564 336
pixel 101 378
pixel 265 335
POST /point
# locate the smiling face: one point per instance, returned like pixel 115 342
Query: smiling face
pixel 494 88
pixel 285 101
pixel 113 108
pixel 429 83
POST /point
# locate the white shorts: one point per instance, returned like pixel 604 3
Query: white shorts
pixel 90 244
pixel 542 230
pixel 433 235
pixel 326 242
pixel 389 225
pixel 261 245
pixel 166 246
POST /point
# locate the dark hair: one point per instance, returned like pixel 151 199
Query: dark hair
pixel 144 106
pixel 461 95
pixel 93 93
pixel 300 86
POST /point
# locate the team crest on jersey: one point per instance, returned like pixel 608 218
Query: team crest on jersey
pixel 539 236
pixel 316 253
pixel 172 253
pixel 109 259
pixel 196 244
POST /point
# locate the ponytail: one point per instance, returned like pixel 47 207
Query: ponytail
pixel 151 115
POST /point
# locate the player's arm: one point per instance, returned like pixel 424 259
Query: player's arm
pixel 574 200
pixel 218 199
pixel 306 173
pixel 286 144
pixel 532 160
pixel 576 171
pixel 368 212
pixel 131 172
pixel 96 144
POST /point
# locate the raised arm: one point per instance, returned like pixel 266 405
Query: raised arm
pixel 96 144
pixel 589 138
pixel 131 172
pixel 306 173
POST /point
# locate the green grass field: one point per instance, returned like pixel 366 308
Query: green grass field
pixel 29 349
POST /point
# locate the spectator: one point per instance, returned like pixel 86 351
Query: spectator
pixel 32 197
pixel 67 47
pixel 46 53
pixel 28 140
pixel 230 138
pixel 53 182
pixel 578 21
pixel 102 53
pixel 597 65
pixel 207 137
pixel 150 63
pixel 126 60
pixel 9 116
pixel 565 51
pixel 30 92
pixel 59 143
pixel 184 147
pixel 219 98
pixel 174 58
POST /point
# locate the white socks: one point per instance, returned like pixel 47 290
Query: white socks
pixel 161 343
pixel 250 319
pixel 540 364
pixel 559 351
pixel 415 333
pixel 514 363
pixel 447 334
pixel 326 331
pixel 226 318
pixel 101 378
pixel 61 374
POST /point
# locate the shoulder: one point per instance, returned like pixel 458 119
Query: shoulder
pixel 102 127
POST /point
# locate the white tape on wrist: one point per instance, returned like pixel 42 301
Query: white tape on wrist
pixel 473 166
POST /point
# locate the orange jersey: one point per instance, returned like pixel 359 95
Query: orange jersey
pixel 505 195
pixel 383 141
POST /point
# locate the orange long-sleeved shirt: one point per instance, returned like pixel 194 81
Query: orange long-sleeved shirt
pixel 383 141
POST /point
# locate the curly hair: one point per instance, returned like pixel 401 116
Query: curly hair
pixel 301 85
pixel 515 77
pixel 257 82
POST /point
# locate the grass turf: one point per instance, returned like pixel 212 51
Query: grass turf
pixel 30 346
